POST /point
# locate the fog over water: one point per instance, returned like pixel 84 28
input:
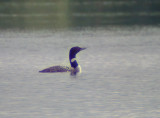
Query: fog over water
pixel 120 67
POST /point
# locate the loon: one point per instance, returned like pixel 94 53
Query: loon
pixel 74 69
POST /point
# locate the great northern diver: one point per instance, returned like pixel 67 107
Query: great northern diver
pixel 75 68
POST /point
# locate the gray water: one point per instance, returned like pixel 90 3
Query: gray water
pixel 120 73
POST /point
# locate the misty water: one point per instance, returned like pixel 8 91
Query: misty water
pixel 119 79
pixel 120 67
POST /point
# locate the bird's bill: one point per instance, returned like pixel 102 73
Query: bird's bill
pixel 83 48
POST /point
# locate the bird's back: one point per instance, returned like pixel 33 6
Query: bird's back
pixel 56 69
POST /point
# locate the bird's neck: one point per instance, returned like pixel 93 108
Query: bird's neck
pixel 73 61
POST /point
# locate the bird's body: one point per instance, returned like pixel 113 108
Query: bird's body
pixel 56 69
pixel 75 68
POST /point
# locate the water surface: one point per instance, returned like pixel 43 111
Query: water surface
pixel 119 79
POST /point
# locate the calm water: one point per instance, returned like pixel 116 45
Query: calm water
pixel 119 79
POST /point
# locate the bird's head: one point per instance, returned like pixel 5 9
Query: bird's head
pixel 74 51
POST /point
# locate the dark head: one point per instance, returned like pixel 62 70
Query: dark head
pixel 72 54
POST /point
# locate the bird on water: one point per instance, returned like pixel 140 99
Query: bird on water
pixel 75 67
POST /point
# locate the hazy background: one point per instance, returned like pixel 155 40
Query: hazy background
pixel 77 13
